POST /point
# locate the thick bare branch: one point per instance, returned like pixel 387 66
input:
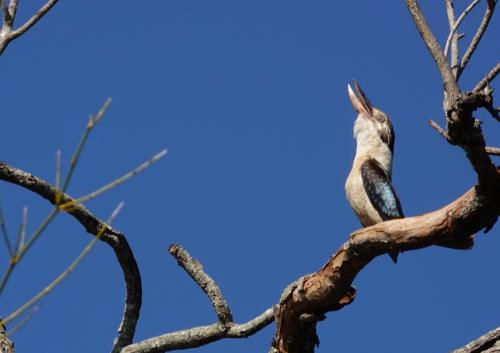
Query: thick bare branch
pixel 488 343
pixel 479 34
pixel 92 225
pixel 195 270
pixel 199 336
pixel 434 48
pixel 330 288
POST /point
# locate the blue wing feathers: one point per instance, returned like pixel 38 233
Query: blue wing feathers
pixel 380 191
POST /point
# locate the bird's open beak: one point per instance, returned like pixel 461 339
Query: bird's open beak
pixel 361 104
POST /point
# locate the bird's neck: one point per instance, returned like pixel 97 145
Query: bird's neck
pixel 371 146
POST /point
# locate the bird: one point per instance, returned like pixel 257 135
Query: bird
pixel 368 187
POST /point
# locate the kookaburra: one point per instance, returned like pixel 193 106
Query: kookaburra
pixel 368 186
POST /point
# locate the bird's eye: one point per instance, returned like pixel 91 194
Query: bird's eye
pixel 380 118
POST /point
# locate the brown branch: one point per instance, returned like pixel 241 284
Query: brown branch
pixel 490 76
pixel 195 270
pixel 488 343
pixel 434 48
pixel 92 225
pixel 439 129
pixel 330 288
pixel 477 37
pixel 199 336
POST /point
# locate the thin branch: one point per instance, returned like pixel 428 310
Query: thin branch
pixel 66 272
pixel 490 76
pixel 5 234
pixel 58 175
pixel 23 322
pixel 439 129
pixel 495 151
pixel 22 229
pixel 477 37
pixel 195 270
pixel 456 24
pixel 21 250
pixel 33 20
pixel 112 237
pixel 483 343
pixel 93 121
pixel 199 336
pixel 450 11
pixel 433 47
pixel 115 182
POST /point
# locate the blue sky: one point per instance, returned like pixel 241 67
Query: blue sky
pixel 250 99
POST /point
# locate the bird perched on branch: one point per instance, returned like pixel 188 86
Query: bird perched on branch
pixel 368 186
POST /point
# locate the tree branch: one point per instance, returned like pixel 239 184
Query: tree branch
pixel 495 151
pixel 199 336
pixel 477 37
pixel 7 34
pixel 33 20
pixel 490 76
pixel 92 225
pixel 488 343
pixel 455 24
pixel 330 288
pixel 195 270
pixel 434 48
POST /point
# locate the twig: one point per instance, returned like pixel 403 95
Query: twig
pixel 21 250
pixel 433 47
pixel 495 151
pixel 199 336
pixel 34 19
pixel 23 322
pixel 22 229
pixel 66 272
pixel 58 175
pixel 490 76
pixel 439 129
pixel 456 24
pixel 477 37
pixel 93 121
pixel 195 270
pixel 5 234
pixel 93 225
pixel 115 182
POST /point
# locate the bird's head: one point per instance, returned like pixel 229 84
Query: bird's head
pixel 372 125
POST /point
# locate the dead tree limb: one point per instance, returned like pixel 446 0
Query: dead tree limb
pixel 92 225
pixel 488 343
pixel 7 32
